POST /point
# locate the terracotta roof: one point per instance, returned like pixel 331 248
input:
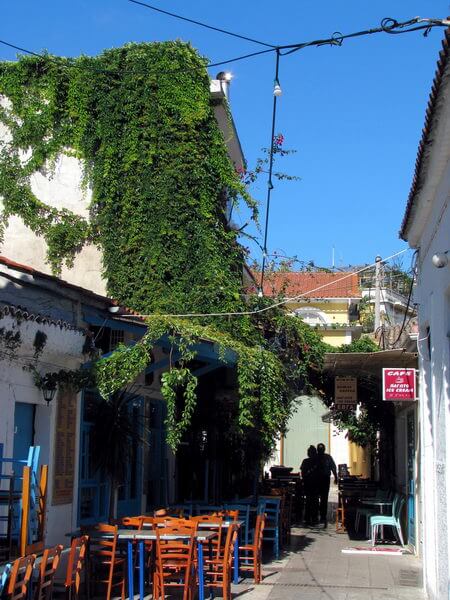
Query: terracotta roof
pixel 422 154
pixel 65 284
pixel 312 284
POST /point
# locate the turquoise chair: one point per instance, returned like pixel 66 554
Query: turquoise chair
pixel 271 508
pixel 393 520
pixel 367 511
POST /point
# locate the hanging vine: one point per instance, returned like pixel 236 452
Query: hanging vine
pixel 141 120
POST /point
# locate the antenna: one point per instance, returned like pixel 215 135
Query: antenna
pixel 332 257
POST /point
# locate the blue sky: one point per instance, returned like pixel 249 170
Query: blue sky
pixel 354 113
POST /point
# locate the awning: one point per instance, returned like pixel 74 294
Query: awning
pixel 367 363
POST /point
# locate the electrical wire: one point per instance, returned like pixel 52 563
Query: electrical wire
pixel 387 25
pixel 405 316
pixel 269 180
pixel 335 40
pixel 266 308
pixel 89 67
pixel 200 24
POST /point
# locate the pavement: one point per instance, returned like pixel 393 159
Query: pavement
pixel 313 567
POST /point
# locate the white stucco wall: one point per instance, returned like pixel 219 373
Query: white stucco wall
pixel 433 297
pixel 63 350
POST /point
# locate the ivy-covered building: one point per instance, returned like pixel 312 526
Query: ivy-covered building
pixel 119 173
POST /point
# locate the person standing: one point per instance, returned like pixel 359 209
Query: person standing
pixel 325 466
pixel 308 470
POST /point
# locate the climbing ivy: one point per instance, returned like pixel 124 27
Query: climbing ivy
pixel 141 119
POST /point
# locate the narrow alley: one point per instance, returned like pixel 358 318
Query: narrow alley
pixel 314 568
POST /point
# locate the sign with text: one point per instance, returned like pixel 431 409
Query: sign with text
pixel 399 384
pixel 345 393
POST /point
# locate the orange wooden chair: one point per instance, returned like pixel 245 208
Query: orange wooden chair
pixel 70 586
pixel 19 578
pixel 227 514
pixel 108 568
pixel 251 557
pixel 212 523
pixel 130 522
pixel 174 562
pixel 147 522
pixel 219 570
pixel 47 569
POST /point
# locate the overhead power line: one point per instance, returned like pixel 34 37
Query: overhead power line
pixel 200 24
pixel 256 311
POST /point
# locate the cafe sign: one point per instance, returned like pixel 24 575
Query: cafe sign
pixel 345 393
pixel 399 384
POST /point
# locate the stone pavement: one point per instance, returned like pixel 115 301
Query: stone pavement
pixel 314 568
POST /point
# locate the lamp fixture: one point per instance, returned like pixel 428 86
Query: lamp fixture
pixel 224 76
pixel 48 393
pixel 440 259
pixel 277 91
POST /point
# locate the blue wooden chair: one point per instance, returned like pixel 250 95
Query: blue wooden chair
pixel 393 520
pixel 15 485
pixel 204 509
pixel 4 577
pixel 270 506
pixel 244 515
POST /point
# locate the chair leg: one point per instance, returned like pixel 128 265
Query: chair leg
pixel 400 535
pixel 357 519
pixel 373 534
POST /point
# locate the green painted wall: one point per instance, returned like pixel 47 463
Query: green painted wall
pixel 305 428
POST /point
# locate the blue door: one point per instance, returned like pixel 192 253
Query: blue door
pixel 411 442
pixel 93 501
pixel 94 487
pixel 23 429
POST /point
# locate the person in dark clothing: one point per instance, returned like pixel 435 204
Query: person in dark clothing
pixel 325 466
pixel 308 470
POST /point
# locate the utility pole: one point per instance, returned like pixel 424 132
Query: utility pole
pixel 377 292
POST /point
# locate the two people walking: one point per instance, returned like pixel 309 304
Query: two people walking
pixel 316 471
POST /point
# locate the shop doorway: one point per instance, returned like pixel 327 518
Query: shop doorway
pixel 411 467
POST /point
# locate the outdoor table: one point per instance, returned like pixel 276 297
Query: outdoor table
pixel 134 535
pixel 378 503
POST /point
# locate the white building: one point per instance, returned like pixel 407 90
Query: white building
pixel 64 189
pixel 426 227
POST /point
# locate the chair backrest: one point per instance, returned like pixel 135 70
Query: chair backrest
pixel 171 522
pixel 233 515
pixel 19 577
pixel 230 540
pixel 147 522
pixel 271 508
pixel 102 547
pixel 395 501
pixel 204 509
pixel 75 563
pixel 47 570
pixel 244 515
pixel 175 555
pixel 213 523
pixel 131 522
pixel 398 508
pixel 259 531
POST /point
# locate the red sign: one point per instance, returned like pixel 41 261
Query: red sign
pixel 399 384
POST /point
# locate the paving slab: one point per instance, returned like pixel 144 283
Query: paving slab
pixel 314 568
